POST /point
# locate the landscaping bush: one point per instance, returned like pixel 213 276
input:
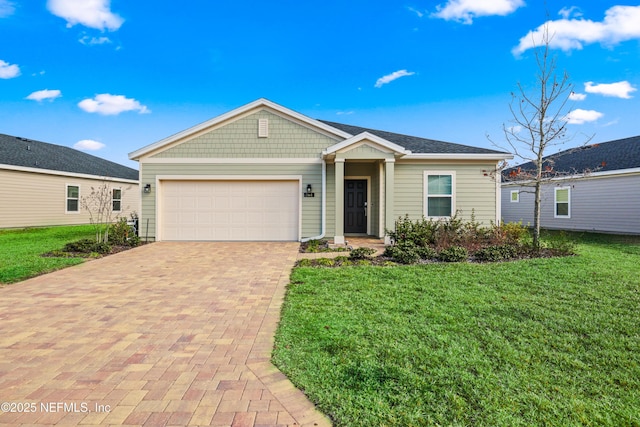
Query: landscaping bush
pixel 87 246
pixel 361 253
pixel 121 233
pixel 404 252
pixel 560 244
pixel 497 253
pixel 453 254
pixel 427 252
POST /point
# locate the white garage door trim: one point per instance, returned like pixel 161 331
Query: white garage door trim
pixel 161 178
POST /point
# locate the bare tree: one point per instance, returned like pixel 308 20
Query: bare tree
pixel 539 123
pixel 100 205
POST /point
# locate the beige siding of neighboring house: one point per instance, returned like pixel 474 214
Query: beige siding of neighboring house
pixel 32 199
pixel 239 139
pixel 311 174
pixel 474 192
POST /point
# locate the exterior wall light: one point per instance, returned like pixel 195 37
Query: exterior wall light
pixel 147 188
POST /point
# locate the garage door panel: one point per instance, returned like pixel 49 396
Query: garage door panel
pixel 229 210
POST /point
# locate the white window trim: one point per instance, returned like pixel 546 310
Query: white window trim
pixel 517 193
pixel 555 202
pixel 67 198
pixel 425 191
pixel 112 199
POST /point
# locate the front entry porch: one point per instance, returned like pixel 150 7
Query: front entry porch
pixel 364 177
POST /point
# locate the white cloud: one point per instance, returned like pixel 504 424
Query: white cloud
pixel 416 11
pixel 108 104
pixel 618 90
pixel 91 41
pixel 90 13
pixel 41 95
pixel 577 96
pixel 6 8
pixel 568 12
pixel 344 113
pixel 88 145
pixel 8 71
pixel 393 76
pixel 578 117
pixel 465 10
pixel 620 23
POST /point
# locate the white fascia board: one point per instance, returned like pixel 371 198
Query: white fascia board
pixel 231 160
pixel 457 156
pixel 604 174
pixel 262 102
pixel 63 173
pixel 368 137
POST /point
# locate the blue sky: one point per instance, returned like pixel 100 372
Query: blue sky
pixel 110 77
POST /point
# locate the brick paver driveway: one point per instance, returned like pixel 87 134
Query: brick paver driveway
pixel 165 334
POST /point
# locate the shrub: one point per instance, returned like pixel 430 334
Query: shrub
pixel 325 262
pixel 83 245
pixel 453 254
pixel 509 233
pixel 496 253
pixel 87 246
pixel 304 262
pixel 404 252
pixel 427 252
pixel 121 233
pixel 361 253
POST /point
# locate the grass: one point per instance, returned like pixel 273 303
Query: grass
pixel 21 250
pixel 541 342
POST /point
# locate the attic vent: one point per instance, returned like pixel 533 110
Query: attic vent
pixel 263 128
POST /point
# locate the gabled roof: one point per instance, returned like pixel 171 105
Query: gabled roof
pixel 413 143
pixel 27 153
pixel 603 157
pixel 366 136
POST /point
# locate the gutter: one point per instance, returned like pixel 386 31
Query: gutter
pixel 323 214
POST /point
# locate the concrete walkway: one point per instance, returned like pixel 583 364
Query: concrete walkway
pixel 165 334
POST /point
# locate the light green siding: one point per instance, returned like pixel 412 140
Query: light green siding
pixel 239 139
pixel 311 174
pixel 474 191
pixel 364 152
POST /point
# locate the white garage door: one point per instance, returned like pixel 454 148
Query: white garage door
pixel 229 210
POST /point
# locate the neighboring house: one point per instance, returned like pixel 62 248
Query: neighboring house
pixel 605 199
pixel 43 184
pixel 264 172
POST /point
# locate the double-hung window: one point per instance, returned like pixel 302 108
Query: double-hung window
pixel 562 202
pixel 439 194
pixel 73 199
pixel 116 199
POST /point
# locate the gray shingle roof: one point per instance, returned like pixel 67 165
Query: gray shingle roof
pixel 413 143
pixel 602 157
pixel 41 155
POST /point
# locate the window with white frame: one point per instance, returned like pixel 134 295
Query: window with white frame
pixel 439 194
pixel 73 198
pixel 562 202
pixel 116 199
pixel 515 196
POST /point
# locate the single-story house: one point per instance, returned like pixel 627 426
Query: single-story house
pixel 604 199
pixel 265 172
pixel 43 184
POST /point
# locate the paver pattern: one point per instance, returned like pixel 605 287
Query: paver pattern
pixel 164 334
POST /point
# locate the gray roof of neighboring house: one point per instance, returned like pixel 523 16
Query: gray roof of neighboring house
pixel 413 143
pixel 602 157
pixel 24 152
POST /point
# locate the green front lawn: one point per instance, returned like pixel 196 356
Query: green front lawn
pixel 542 342
pixel 21 250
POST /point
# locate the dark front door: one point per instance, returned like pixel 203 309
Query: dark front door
pixel 355 206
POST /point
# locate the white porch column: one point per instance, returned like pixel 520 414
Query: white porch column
pixel 339 168
pixel 389 184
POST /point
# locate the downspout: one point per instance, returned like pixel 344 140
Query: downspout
pixel 323 211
